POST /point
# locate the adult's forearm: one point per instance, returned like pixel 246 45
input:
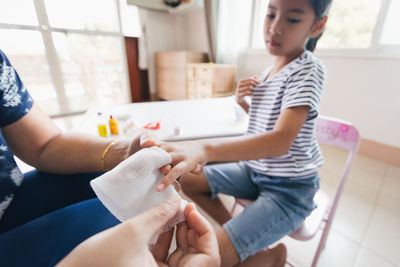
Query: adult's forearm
pixel 78 153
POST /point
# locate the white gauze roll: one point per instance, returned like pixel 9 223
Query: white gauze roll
pixel 129 188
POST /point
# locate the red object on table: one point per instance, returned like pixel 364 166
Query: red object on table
pixel 152 125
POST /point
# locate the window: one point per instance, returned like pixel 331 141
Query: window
pixel 355 24
pixel 351 24
pixel 76 53
pixel 31 64
pixel 390 33
pixel 87 15
pixel 92 68
pixel 18 12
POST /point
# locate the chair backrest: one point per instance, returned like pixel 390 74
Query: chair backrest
pixel 337 133
pixel 341 134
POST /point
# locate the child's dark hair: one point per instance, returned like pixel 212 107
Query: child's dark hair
pixel 320 8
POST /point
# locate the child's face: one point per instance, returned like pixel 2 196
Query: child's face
pixel 287 26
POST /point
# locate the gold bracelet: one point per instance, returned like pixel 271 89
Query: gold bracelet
pixel 104 155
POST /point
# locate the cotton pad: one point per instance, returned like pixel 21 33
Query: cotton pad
pixel 129 188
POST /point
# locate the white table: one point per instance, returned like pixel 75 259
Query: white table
pixel 193 119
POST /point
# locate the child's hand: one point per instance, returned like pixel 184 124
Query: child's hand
pixel 245 88
pixel 189 156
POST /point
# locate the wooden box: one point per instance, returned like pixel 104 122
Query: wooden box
pixel 171 72
pixel 206 80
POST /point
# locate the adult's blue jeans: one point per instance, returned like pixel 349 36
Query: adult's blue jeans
pixel 49 216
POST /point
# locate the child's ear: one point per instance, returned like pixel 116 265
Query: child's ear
pixel 318 27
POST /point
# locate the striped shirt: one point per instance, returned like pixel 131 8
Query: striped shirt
pixel 299 83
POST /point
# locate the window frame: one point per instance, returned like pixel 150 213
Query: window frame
pixel 51 54
pixel 375 49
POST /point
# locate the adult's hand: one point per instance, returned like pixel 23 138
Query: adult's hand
pixel 196 242
pixel 142 140
pixel 127 243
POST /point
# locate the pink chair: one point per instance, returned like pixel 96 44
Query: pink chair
pixel 340 134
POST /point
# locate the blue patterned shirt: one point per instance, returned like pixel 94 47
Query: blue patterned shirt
pixel 15 102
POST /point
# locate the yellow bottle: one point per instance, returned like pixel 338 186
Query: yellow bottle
pixel 101 125
pixel 113 125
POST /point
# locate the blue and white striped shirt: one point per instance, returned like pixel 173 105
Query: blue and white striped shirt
pixel 299 83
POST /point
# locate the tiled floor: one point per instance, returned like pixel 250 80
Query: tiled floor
pixel 366 228
pixel 365 231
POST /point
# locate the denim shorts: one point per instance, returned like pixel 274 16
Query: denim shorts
pixel 280 204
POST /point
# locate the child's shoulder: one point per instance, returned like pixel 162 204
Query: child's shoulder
pixel 307 61
pixel 308 58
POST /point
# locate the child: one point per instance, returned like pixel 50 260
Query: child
pixel 279 156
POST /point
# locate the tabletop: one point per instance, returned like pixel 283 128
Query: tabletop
pixel 178 120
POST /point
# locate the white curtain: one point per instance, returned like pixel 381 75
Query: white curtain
pixel 234 26
pixel 211 12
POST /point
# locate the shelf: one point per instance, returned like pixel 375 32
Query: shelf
pixel 158 5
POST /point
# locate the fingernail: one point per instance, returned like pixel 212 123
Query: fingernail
pixel 160 187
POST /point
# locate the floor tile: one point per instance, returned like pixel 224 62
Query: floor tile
pixel 300 253
pixel 393 171
pixel 367 258
pixel 368 172
pixel 354 211
pixel 391 185
pixel 383 235
pixel 339 251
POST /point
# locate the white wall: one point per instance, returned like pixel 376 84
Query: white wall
pixel 362 90
pixel 180 31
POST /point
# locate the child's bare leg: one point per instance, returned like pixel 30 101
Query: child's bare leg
pixel 196 187
pixel 275 257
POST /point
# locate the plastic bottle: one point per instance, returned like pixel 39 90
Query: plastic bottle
pixel 101 125
pixel 113 125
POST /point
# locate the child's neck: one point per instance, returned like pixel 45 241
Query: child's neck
pixel 281 61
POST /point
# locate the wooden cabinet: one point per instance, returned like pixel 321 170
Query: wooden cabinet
pixel 180 76
pixel 210 80
pixel 171 72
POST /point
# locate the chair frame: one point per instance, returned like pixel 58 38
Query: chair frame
pixel 336 133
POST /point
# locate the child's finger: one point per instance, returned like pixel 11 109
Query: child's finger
pixel 198 169
pixel 248 83
pixel 255 82
pixel 165 169
pixel 174 174
pixel 148 139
